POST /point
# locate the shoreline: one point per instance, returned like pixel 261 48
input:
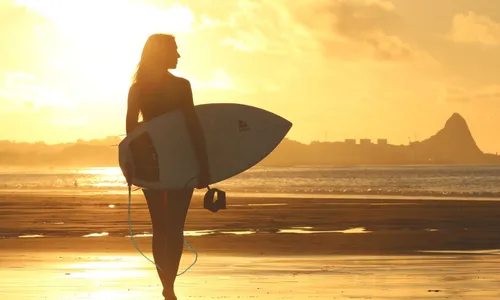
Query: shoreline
pixel 248 195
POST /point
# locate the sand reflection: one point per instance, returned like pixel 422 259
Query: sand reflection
pixel 97 234
pixel 105 269
pixel 98 276
pixel 298 230
pixel 238 232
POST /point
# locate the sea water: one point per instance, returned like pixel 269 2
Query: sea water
pixel 369 181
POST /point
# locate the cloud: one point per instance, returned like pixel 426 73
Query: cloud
pixel 353 30
pixel 356 29
pixel 474 28
pixel 274 33
pixel 219 80
pixel 21 33
pixel 389 47
pixel 23 91
pixel 36 111
pixel 297 44
pixel 458 94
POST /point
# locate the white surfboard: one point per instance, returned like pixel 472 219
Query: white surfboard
pixel 237 137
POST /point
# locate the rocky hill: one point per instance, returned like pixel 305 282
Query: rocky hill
pixel 453 143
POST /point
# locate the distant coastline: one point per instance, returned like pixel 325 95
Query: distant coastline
pixel 454 144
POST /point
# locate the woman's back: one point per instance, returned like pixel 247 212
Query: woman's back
pixel 168 95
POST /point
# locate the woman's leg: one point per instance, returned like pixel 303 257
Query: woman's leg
pixel 168 211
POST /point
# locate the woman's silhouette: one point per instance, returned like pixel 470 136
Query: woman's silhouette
pixel 155 91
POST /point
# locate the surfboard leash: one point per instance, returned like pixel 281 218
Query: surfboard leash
pixel 137 247
pixel 130 227
pixel 208 203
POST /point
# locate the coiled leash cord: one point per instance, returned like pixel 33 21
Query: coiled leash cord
pixel 208 203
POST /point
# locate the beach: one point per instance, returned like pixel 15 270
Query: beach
pixel 77 246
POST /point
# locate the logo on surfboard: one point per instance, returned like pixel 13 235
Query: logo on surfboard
pixel 243 126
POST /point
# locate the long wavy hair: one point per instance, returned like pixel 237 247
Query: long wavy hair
pixel 151 68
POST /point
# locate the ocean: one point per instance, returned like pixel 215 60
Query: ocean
pixel 317 181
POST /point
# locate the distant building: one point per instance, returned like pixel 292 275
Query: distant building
pixel 365 142
pixel 382 141
pixel 350 141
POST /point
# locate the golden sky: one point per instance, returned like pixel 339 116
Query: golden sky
pixel 337 69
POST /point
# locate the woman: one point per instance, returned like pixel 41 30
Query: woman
pixel 155 91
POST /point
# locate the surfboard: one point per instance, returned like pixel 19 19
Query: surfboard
pixel 237 137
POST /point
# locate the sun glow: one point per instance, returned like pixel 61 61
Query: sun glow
pixel 100 47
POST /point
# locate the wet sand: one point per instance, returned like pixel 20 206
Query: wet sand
pixel 38 275
pixel 360 249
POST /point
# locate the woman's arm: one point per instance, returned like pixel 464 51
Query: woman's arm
pixel 132 110
pixel 131 123
pixel 197 136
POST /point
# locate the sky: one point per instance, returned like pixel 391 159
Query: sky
pixel 395 69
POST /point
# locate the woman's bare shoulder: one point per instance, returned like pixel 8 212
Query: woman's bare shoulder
pixel 181 82
pixel 133 89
